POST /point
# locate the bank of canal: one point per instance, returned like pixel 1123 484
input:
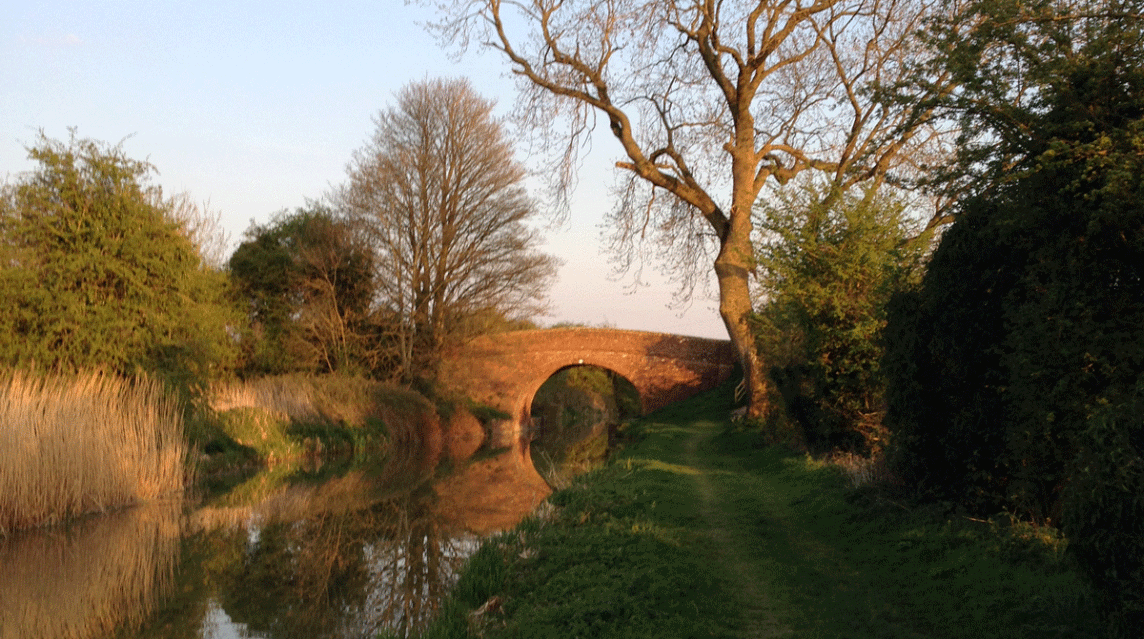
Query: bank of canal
pixel 695 531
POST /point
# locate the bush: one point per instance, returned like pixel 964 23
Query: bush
pixel 1016 366
pixel 1104 506
pixel 943 365
pixel 100 271
pixel 828 263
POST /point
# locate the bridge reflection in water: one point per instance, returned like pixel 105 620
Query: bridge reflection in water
pixel 346 557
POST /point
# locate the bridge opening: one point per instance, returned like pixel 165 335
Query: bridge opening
pixel 575 415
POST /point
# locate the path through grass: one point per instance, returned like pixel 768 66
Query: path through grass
pixel 695 532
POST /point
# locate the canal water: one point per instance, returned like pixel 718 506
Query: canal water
pixel 291 552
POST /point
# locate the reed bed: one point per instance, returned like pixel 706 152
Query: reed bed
pixel 72 445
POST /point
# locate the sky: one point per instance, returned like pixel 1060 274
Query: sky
pixel 255 107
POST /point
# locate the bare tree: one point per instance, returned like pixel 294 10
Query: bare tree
pixel 202 226
pixel 710 100
pixel 443 200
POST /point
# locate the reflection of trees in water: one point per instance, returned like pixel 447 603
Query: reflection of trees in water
pixel 336 559
pixel 414 569
pixel 89 579
pixel 346 574
pixel 574 413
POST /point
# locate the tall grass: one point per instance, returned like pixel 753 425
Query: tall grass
pixel 71 445
pixel 302 398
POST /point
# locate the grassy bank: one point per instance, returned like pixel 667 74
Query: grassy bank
pixel 270 420
pixel 88 443
pixel 694 532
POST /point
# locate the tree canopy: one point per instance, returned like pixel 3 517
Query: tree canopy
pixel 95 270
pixel 307 280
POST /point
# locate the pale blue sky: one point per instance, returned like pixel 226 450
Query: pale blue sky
pixel 257 106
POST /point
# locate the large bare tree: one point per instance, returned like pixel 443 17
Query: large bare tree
pixel 442 198
pixel 710 100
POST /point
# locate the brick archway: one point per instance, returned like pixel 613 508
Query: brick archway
pixel 505 370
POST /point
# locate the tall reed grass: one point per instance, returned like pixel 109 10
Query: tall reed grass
pixel 71 445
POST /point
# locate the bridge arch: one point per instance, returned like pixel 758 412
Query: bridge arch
pixel 504 370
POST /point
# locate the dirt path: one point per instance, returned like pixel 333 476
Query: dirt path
pixel 732 545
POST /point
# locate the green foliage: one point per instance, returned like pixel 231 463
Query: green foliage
pixel 1030 312
pixel 827 264
pixel 1016 365
pixel 307 281
pixel 1037 80
pixel 1104 505
pixel 96 272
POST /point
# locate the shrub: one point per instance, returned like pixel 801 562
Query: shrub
pixel 828 263
pixel 1104 506
pixel 100 271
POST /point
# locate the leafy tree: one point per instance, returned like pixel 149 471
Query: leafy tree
pixel 444 206
pixel 95 270
pixel 1016 366
pixel 307 279
pixel 711 102
pixel 827 266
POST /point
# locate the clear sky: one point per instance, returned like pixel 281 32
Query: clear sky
pixel 256 106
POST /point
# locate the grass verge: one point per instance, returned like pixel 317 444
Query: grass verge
pixel 693 531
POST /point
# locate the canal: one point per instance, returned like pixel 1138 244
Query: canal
pixel 294 551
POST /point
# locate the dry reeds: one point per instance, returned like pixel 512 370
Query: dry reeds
pixel 861 470
pixel 301 397
pixel 85 443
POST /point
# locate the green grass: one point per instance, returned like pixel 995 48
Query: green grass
pixel 694 531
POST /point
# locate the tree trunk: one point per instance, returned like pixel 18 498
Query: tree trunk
pixel 735 308
pixel 732 270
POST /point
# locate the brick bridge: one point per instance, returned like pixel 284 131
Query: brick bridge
pixel 505 370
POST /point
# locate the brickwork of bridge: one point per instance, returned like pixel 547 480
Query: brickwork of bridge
pixel 504 370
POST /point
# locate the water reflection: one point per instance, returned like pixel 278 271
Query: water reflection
pixel 340 574
pixel 91 578
pixel 274 558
